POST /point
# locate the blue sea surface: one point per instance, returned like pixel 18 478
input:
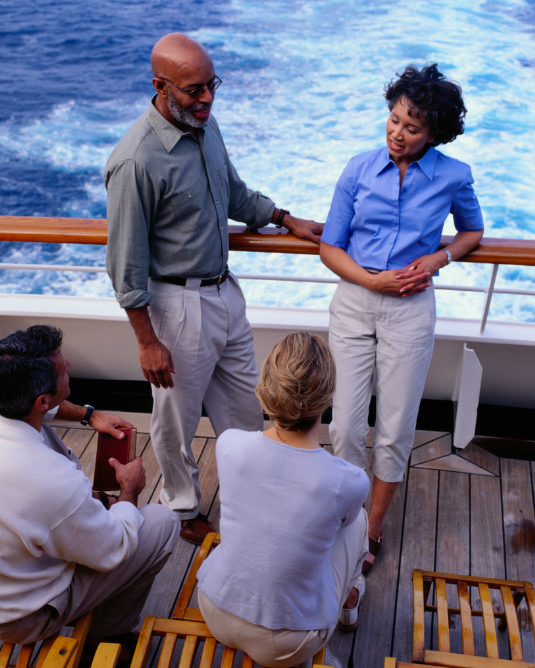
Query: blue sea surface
pixel 302 93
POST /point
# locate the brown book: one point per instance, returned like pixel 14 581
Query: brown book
pixel 123 450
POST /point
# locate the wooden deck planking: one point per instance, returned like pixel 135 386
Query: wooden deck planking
pixel 152 469
pixel 519 534
pixel 453 541
pixel 480 457
pixel 77 439
pixel 487 557
pixel 374 634
pixel 162 599
pixel 418 551
pixel 439 447
pixel 439 520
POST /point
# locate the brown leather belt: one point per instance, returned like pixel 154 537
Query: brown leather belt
pixel 180 280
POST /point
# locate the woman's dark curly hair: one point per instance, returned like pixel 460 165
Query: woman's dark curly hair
pixel 429 93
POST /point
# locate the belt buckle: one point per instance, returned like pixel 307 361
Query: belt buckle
pixel 222 277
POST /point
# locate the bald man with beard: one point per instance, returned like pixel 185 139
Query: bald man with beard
pixel 171 189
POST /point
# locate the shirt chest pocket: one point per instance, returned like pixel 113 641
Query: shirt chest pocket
pixel 186 208
pixel 223 185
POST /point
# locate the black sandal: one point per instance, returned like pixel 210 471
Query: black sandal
pixel 375 546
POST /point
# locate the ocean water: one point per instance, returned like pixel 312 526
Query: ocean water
pixel 302 93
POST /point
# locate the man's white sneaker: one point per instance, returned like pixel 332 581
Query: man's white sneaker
pixel 349 618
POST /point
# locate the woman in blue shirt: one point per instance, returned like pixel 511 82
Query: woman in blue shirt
pixel 381 237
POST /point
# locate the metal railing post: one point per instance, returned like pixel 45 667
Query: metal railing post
pixel 490 292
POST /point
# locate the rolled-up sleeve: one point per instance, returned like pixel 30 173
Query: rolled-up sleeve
pixel 133 196
pixel 338 225
pixel 96 537
pixel 465 206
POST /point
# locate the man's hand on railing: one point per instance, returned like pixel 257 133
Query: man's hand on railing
pixel 303 229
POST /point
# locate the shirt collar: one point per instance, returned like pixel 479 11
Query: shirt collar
pixel 426 164
pixel 18 429
pixel 168 133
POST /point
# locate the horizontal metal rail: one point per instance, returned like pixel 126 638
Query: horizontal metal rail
pixel 257 277
pixel 52 267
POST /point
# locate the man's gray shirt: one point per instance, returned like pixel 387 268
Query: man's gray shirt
pixel 169 199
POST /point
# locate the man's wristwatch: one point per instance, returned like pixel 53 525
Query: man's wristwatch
pixel 88 414
pixel 450 259
pixel 282 213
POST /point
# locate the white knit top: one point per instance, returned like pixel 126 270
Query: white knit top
pixel 281 508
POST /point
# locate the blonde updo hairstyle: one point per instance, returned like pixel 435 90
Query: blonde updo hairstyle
pixel 297 381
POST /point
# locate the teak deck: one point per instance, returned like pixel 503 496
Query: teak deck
pixel 464 511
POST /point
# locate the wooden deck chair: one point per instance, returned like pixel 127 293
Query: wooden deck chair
pixel 194 634
pixel 80 631
pixel 459 661
pixel 64 649
pixel 187 623
pixel 390 662
pixel 512 592
pixel 182 609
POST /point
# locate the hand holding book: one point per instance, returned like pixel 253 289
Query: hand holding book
pixel 123 450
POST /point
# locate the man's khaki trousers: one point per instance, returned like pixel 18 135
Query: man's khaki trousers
pixel 211 342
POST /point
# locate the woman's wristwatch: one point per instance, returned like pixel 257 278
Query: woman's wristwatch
pixel 448 254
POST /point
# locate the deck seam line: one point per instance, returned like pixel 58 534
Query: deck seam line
pixel 503 523
pixel 422 445
pixel 470 525
pixel 436 549
pixel 399 562
pixel 471 462
pixel 435 459
pixel 532 475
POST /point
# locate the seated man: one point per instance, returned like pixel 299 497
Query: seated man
pixel 61 552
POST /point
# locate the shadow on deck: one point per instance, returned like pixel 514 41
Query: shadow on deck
pixel 464 511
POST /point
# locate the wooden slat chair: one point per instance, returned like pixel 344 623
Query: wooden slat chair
pixel 512 592
pixel 182 608
pixel 63 651
pixel 187 623
pixel 80 631
pixel 193 633
pixel 458 661
pixel 390 662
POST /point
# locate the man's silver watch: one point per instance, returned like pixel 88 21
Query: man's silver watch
pixel 450 259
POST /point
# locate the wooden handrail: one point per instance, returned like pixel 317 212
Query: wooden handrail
pixel 267 240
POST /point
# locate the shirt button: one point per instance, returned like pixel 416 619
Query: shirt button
pixel 404 190
pixel 217 201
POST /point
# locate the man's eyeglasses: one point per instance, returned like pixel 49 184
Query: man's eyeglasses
pixel 211 87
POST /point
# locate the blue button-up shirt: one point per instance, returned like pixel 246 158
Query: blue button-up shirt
pixel 382 226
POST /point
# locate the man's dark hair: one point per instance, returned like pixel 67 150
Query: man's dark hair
pixel 27 368
pixel 429 94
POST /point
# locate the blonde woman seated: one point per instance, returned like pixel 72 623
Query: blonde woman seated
pixel 293 530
